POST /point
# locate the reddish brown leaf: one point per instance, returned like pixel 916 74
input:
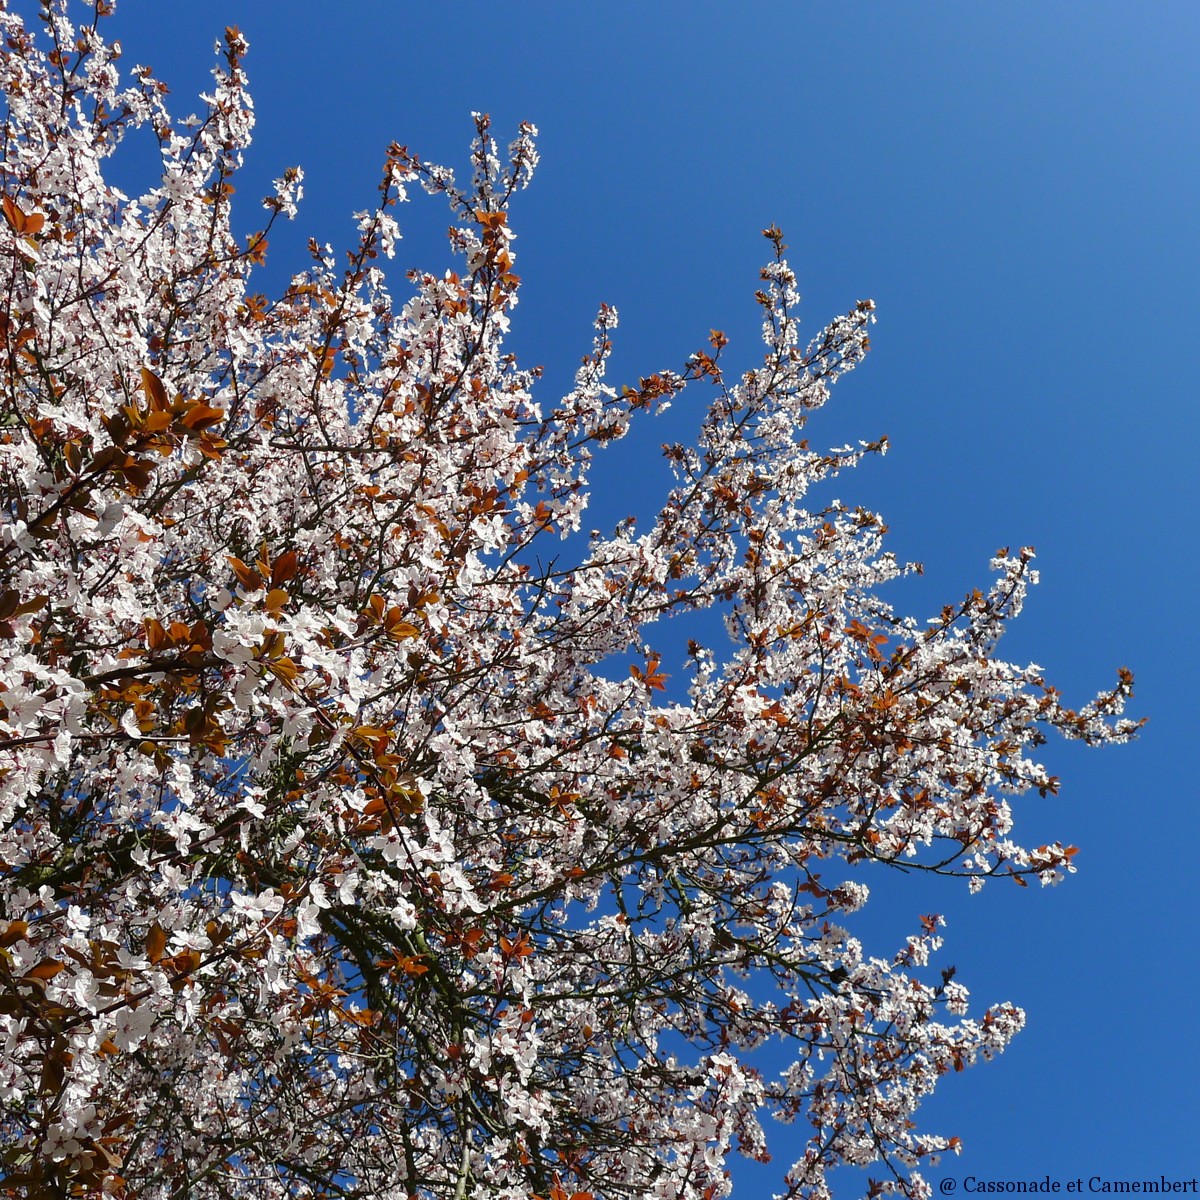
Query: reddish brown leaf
pixel 284 568
pixel 46 969
pixel 155 392
pixel 200 416
pixel 156 943
pixel 15 931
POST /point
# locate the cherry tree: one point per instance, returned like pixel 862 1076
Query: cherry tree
pixel 346 851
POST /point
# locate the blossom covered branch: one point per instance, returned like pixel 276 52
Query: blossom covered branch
pixel 336 858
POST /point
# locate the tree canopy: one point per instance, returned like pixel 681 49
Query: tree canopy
pixel 347 849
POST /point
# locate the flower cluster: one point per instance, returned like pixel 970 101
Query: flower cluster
pixel 336 858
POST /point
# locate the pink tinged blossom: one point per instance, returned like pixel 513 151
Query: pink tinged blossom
pixel 369 829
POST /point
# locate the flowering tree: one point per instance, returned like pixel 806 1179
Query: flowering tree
pixel 345 851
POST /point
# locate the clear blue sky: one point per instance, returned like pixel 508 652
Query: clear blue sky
pixel 1017 187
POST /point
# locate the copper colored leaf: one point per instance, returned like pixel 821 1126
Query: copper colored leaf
pixel 200 416
pixel 156 422
pixel 249 578
pixel 32 605
pixel 284 568
pixel 156 393
pixel 138 474
pixel 54 1073
pixel 156 943
pixel 46 969
pixel 13 214
pixel 20 222
pixel 275 600
pixel 15 931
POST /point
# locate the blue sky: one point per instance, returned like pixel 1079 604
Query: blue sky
pixel 1016 186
